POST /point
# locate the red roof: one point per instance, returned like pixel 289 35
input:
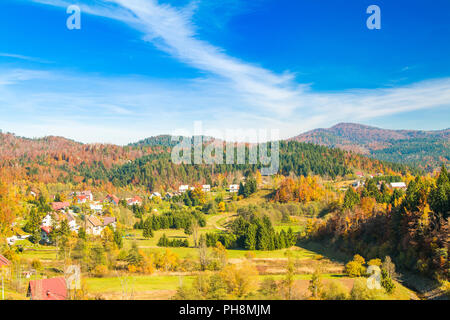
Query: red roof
pixel 112 198
pixel 46 229
pixel 135 199
pixel 108 220
pixel 4 261
pixel 48 289
pixel 60 205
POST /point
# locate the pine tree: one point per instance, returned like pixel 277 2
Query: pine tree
pixel 351 198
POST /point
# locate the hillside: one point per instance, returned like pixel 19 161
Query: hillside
pixel 148 163
pixel 425 149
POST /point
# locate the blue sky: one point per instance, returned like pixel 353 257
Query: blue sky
pixel 145 67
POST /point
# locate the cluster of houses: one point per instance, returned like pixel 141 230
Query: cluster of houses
pixel 392 185
pixel 41 289
pixel 207 188
pixel 94 224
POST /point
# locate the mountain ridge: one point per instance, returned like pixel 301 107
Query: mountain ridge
pixel 404 146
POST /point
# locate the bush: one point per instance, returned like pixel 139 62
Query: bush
pixel 334 290
pixel 100 271
pixel 360 291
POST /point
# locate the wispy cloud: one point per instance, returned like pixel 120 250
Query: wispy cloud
pixel 232 93
pixel 22 57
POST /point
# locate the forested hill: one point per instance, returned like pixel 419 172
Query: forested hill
pixel 164 141
pixel 425 149
pixel 56 159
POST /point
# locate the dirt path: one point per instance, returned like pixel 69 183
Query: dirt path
pixel 214 221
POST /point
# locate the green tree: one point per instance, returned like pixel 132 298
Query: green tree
pixel 351 198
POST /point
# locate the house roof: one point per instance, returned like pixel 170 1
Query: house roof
pixel 113 198
pixel 4 261
pixel 82 197
pixel 95 221
pixel 135 199
pixel 48 289
pixel 108 220
pixel 46 229
pixel 398 185
pixel 59 205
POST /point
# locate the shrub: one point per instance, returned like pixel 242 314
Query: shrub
pixel 100 271
pixel 334 290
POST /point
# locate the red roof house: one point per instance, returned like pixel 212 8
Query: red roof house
pixel 135 200
pixel 48 289
pixel 4 262
pixel 56 206
pixel 112 199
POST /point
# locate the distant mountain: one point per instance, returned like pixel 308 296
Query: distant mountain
pixel 425 149
pixel 148 163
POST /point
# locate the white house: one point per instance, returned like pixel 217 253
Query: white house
pixel 398 185
pixel 183 188
pixel 356 184
pixel 47 221
pixel 97 207
pixel 94 226
pixel 155 194
pixel 233 188
pixel 72 223
pixel 87 194
pixel 206 188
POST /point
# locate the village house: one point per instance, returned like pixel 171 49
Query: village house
pixel 233 188
pixel 136 200
pixel 82 199
pixel 94 226
pixel 74 227
pixel 206 188
pixel 359 174
pixel 110 221
pixel 58 206
pixel 183 188
pixel 110 198
pixel 155 194
pixel 398 185
pixel 96 206
pixel 47 289
pixel 47 221
pixel 356 184
pixel 45 234
pixel 4 262
pixel 87 194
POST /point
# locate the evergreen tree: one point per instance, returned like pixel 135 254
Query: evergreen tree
pixel 351 198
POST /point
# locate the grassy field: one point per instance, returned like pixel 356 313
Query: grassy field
pixel 164 286
pixel 151 245
pixel 137 283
